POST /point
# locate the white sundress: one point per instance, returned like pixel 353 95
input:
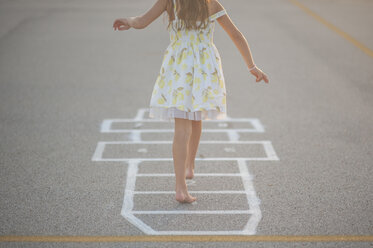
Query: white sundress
pixel 190 84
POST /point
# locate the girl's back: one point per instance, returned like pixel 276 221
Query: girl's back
pixel 203 33
pixel 190 83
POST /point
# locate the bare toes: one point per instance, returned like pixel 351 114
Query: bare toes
pixel 185 199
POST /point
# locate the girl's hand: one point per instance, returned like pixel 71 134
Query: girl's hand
pixel 259 75
pixel 121 24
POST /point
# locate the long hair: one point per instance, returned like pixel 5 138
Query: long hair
pixel 190 12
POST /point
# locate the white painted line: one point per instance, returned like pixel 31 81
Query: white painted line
pixel 190 191
pixel 218 121
pixel 140 114
pixel 223 124
pixel 229 149
pixel 142 150
pixel 171 159
pixel 215 130
pixel 97 156
pixel 195 174
pixel 257 125
pixel 130 186
pixel 106 126
pixel 233 135
pixel 193 212
pixel 128 199
pixel 270 151
pixel 157 142
pixel 252 199
pixel 134 136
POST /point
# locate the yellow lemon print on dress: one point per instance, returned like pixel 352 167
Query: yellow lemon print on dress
pixel 206 94
pixel 204 74
pixel 181 56
pixel 221 83
pixel 180 96
pixel 177 75
pixel 189 78
pixel 197 81
pixel 172 60
pixel 161 82
pixel 200 35
pixel 206 54
pixel 214 76
pixel 202 56
pixel 177 95
pixel 192 37
pixel 162 100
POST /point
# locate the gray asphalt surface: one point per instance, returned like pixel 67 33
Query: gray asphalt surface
pixel 64 70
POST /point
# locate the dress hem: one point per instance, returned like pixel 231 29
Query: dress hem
pixel 169 113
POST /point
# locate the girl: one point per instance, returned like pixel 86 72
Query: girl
pixel 190 86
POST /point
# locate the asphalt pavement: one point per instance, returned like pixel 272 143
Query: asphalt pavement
pixel 80 160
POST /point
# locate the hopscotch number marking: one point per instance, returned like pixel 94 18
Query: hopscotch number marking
pixel 128 211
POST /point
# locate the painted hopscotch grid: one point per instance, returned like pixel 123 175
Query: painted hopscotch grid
pixel 253 212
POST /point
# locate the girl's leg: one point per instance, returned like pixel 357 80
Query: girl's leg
pixel 183 130
pixel 192 148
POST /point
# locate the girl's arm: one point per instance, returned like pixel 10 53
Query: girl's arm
pixel 240 41
pixel 140 22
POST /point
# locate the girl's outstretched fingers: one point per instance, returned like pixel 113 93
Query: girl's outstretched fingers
pixel 265 78
pixel 259 75
pixel 121 24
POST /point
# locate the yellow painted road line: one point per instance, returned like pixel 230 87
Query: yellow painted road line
pixel 348 37
pixel 188 238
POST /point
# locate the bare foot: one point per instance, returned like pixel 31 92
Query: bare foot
pixel 185 198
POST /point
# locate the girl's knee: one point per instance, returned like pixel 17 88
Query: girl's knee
pixel 183 128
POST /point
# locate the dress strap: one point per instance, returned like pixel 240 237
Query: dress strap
pixel 176 18
pixel 218 14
